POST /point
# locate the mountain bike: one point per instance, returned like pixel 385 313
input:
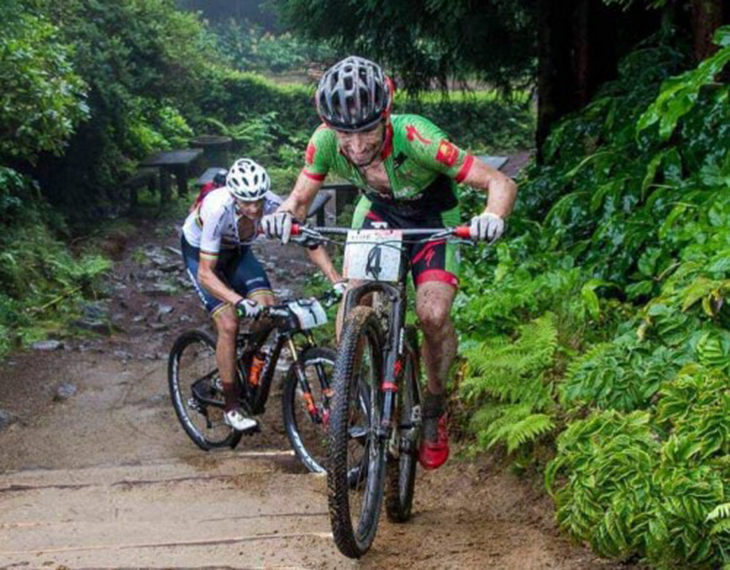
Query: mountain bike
pixel 197 391
pixel 375 412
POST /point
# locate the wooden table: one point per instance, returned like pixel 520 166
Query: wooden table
pixel 172 162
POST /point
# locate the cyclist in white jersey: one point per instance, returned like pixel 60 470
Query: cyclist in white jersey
pixel 230 281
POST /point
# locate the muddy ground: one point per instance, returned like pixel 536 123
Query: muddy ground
pixel 95 471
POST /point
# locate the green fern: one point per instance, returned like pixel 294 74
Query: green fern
pixel 528 429
pixel 507 381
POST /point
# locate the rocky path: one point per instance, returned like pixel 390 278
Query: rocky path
pixel 95 471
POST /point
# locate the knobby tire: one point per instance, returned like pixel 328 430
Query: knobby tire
pixel 185 347
pixel 361 329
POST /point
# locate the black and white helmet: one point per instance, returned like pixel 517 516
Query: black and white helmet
pixel 247 180
pixel 353 95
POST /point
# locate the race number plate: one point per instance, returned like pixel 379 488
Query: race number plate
pixel 373 255
pixel 309 312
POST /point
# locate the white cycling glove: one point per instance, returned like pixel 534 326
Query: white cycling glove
pixel 277 225
pixel 247 309
pixel 487 227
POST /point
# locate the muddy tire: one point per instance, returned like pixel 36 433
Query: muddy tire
pixel 355 444
pixel 308 437
pixel 401 471
pixel 194 382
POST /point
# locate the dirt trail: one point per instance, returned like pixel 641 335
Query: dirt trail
pixel 95 471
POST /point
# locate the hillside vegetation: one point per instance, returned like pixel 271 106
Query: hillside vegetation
pixel 598 330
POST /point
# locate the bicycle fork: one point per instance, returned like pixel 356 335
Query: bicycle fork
pixel 314 413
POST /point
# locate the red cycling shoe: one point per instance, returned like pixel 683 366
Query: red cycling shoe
pixel 434 451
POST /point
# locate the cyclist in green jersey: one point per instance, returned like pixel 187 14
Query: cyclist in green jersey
pixel 408 172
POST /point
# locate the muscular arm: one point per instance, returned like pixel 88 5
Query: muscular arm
pixel 209 280
pixel 501 190
pixel 297 203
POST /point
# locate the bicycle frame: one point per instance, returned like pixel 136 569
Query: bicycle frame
pixel 252 343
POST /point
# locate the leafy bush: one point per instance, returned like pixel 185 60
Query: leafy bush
pixel 37 271
pixel 42 99
pixel 623 375
pixel 632 257
pixel 146 65
pixel 626 490
pixel 249 47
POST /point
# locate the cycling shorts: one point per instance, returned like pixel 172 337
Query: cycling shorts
pixel 430 261
pixel 238 268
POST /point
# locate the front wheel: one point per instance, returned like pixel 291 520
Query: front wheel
pixel 305 406
pixel 196 391
pixel 356 451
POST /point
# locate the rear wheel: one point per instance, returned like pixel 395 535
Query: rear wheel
pixel 196 391
pixel 356 454
pixel 306 411
pixel 401 478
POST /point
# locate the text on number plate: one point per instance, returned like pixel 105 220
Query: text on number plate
pixel 373 255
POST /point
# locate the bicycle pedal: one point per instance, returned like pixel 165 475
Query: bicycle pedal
pixel 254 430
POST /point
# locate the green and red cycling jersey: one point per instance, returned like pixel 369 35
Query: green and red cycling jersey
pixel 422 165
pixel 423 169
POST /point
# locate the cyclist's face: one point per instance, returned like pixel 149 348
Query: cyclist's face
pixel 250 210
pixel 361 147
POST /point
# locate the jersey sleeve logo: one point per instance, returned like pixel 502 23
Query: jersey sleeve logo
pixel 309 156
pixel 412 133
pixel 447 153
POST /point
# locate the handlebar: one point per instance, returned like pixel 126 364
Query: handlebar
pixel 328 298
pixel 461 232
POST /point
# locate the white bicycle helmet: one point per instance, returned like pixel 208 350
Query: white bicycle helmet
pixel 247 180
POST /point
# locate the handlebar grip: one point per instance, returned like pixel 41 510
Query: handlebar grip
pixel 462 232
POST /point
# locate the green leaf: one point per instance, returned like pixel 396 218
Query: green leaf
pixel 651 172
pixel 641 288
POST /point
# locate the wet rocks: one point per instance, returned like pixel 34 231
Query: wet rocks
pixel 95 318
pixel 6 418
pixel 160 289
pixel 123 354
pixel 47 345
pixel 65 391
pixel 163 310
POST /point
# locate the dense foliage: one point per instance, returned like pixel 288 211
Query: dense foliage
pixel 42 99
pixel 249 47
pixel 426 40
pixel 605 321
pixel 146 65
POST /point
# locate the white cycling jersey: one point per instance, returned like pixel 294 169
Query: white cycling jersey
pixel 213 225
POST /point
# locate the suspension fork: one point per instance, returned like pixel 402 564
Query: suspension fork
pixel 301 379
pixel 393 363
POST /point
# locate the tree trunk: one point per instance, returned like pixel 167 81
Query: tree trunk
pixel 707 16
pixel 580 43
pixel 555 80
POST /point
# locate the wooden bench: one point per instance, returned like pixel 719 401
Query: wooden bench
pixel 174 162
pixel 144 177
